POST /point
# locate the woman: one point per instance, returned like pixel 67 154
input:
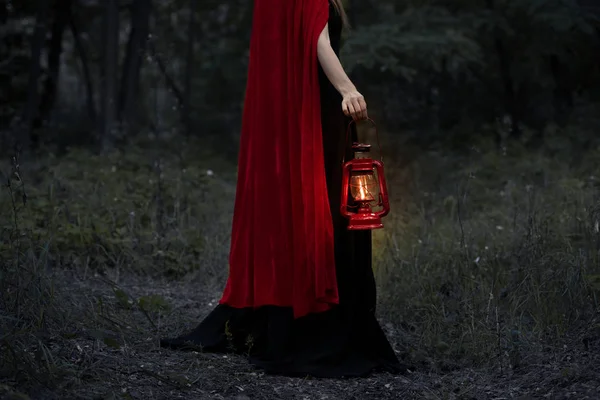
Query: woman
pixel 300 297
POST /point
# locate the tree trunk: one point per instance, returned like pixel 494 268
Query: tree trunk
pixel 85 66
pixel 30 110
pixel 162 67
pixel 108 78
pixel 189 69
pixel 136 47
pixel 562 97
pixel 511 99
pixel 3 14
pixel 62 9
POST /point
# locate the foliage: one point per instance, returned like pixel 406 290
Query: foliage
pixel 221 56
pixel 447 63
pixel 418 42
pixel 427 65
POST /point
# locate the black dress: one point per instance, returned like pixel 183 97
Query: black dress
pixel 346 341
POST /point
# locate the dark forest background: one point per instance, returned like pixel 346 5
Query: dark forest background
pixel 119 127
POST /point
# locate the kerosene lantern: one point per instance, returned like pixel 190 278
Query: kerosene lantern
pixel 365 198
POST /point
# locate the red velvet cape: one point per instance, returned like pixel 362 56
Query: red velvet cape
pixel 282 238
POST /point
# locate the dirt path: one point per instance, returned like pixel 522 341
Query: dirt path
pixel 115 352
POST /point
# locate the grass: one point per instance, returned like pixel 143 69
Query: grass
pixel 135 212
pixel 492 255
pixel 486 258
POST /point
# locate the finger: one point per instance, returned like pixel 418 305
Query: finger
pixel 360 112
pixel 348 108
pixel 357 109
pixel 345 108
pixel 352 110
pixel 363 108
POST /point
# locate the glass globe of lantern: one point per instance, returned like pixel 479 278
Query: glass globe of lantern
pixel 364 187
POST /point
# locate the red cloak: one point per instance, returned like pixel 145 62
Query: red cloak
pixel 282 238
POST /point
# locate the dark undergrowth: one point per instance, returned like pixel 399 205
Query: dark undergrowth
pixel 488 273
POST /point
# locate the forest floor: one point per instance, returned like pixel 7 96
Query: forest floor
pixel 496 299
pixel 118 321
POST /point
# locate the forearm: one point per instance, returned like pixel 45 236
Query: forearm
pixel 332 66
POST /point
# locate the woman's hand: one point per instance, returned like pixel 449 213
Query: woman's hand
pixel 354 105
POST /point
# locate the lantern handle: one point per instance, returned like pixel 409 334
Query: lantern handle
pixel 348 136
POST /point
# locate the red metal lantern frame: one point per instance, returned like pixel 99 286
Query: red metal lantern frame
pixel 364 218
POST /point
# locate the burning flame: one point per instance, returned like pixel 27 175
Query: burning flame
pixel 363 191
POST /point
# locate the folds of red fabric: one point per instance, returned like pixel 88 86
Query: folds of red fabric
pixel 282 237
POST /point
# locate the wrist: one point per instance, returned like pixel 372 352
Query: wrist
pixel 346 89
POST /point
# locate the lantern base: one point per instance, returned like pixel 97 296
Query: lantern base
pixel 364 221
